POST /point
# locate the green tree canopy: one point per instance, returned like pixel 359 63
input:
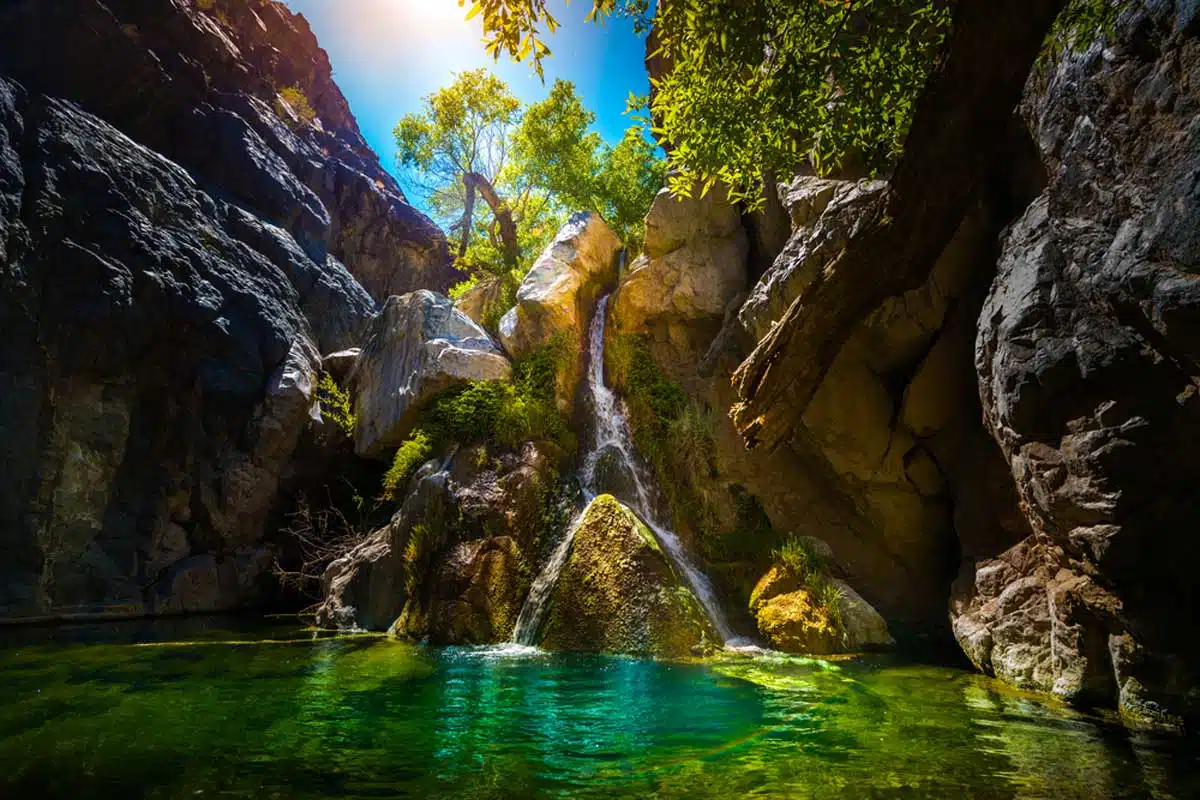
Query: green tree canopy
pixel 532 165
pixel 465 129
pixel 770 87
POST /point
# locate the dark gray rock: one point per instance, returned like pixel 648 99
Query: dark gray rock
pixel 201 88
pixel 1088 372
pixel 157 370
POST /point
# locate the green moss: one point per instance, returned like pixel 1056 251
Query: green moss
pixel 618 592
pixel 335 403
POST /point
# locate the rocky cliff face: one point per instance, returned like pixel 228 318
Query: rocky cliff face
pixel 1070 336
pixel 173 248
pixel 204 84
pixel 1086 354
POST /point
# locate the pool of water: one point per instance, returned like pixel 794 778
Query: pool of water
pixel 214 709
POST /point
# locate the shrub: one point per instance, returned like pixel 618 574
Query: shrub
pixel 335 403
pixel 799 558
pixel 504 412
pixel 294 98
pixel 415 451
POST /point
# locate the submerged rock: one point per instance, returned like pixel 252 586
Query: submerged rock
pixel 556 298
pixel 419 346
pixel 618 593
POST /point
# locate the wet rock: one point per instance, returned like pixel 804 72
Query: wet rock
pixel 417 347
pixel 618 593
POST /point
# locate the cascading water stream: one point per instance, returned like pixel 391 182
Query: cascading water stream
pixel 612 435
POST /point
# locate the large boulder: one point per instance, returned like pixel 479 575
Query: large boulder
pixel 556 298
pixel 419 346
pixel 694 264
pixel 798 618
pixel 1087 368
pixel 618 592
pixel 487 522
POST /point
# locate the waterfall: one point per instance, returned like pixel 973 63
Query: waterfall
pixel 612 434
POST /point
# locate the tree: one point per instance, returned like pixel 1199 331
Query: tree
pixel 458 146
pixel 629 176
pixel 771 87
pixel 554 150
pixel 531 166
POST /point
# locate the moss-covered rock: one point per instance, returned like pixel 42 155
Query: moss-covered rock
pixel 618 592
pixel 478 592
pixel 816 617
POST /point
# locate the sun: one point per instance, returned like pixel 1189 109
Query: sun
pixel 434 16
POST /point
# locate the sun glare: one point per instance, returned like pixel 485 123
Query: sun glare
pixel 433 16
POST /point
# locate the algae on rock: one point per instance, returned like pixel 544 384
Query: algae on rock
pixel 618 592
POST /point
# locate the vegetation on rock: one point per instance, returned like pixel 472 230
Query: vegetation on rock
pixel 294 99
pixel 505 412
pixel 832 85
pixel 335 404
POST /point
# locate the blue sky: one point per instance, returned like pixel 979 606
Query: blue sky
pixel 388 54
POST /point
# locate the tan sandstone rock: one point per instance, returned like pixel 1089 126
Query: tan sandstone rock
pixel 556 297
pixel 694 265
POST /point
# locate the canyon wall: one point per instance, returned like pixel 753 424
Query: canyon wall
pixel 189 219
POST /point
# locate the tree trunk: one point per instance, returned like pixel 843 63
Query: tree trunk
pixel 468 220
pixel 959 127
pixel 503 214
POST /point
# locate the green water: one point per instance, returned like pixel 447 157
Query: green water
pixel 205 710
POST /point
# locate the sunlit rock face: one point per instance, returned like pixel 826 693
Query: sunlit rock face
pixel 618 592
pixel 419 346
pixel 693 267
pixel 171 268
pixel 557 296
pixel 1086 360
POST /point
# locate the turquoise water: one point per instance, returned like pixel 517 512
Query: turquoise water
pixel 210 709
